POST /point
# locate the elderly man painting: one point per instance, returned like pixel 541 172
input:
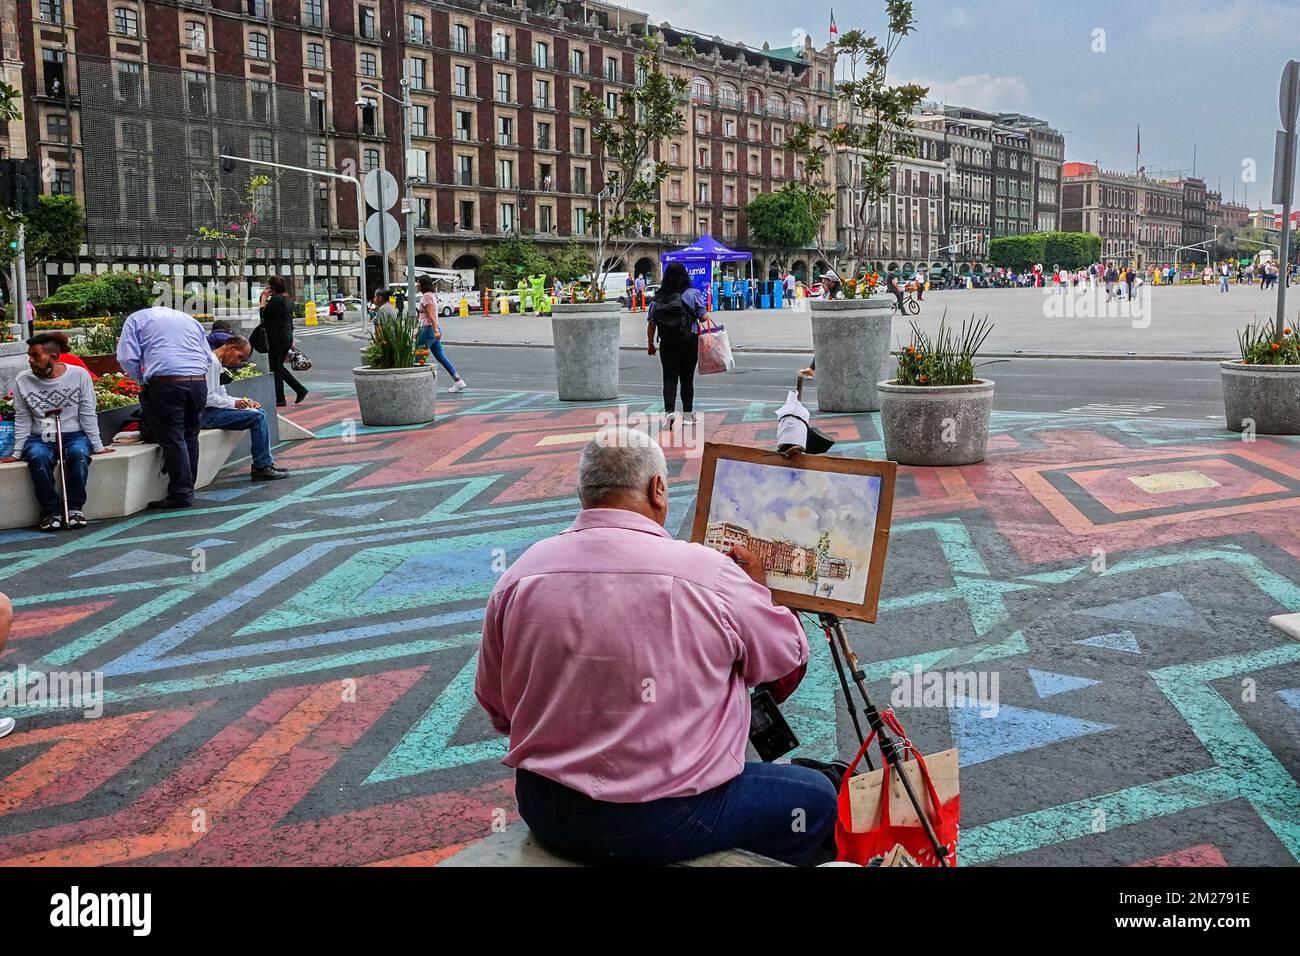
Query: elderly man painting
pixel 618 660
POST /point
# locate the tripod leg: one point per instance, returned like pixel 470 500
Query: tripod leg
pixel 848 699
pixel 888 749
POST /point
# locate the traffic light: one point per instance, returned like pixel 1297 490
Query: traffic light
pixel 227 165
pixel 19 184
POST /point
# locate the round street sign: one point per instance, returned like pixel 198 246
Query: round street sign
pixel 382 232
pixel 380 188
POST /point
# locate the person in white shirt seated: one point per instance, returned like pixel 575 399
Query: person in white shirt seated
pixel 239 414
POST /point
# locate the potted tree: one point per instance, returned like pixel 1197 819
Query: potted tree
pixel 874 129
pixel 392 389
pixel 1261 390
pixel 935 411
pixel 586 334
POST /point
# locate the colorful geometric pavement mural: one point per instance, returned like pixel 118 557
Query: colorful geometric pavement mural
pixel 288 668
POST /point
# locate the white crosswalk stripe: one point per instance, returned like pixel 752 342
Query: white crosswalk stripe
pixel 1101 408
pixel 308 333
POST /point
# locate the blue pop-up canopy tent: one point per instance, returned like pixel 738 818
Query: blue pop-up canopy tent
pixel 700 257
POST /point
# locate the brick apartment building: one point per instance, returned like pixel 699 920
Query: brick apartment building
pixel 131 104
pixel 1139 219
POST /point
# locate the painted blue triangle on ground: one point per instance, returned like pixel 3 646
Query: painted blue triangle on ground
pixel 1011 730
pixel 212 543
pixel 222 494
pixel 1048 684
pixel 293 524
pixel 1291 697
pixel 132 560
pixel 1119 641
pixel 1169 609
pixel 356 511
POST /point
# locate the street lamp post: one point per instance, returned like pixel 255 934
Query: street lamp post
pixel 361 207
pixel 405 103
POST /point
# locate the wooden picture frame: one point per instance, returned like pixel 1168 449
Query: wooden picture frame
pixel 886 471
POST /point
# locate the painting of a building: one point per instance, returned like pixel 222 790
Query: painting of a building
pixel 783 558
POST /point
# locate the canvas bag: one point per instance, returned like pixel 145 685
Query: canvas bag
pixel 715 349
pixel 870 824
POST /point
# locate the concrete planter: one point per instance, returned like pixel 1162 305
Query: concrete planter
pixel 851 343
pixel 945 425
pixel 586 339
pixel 1263 397
pixel 111 421
pixel 260 389
pixel 395 396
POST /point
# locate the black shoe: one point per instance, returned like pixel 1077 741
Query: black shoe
pixel 281 403
pixel 52 523
pixel 301 397
pixel 76 519
pixel 269 473
pixel 170 504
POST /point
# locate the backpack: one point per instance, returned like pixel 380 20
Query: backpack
pixel 671 312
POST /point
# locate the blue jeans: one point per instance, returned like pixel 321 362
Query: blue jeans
pixel 43 456
pixel 251 420
pixel 777 810
pixel 426 340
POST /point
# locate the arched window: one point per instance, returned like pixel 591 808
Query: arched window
pixel 701 88
pixel 728 95
pixel 776 104
pixel 257 46
pixel 798 110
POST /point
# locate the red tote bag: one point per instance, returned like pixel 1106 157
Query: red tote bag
pixel 882 836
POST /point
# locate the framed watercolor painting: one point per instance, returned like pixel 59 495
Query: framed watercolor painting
pixel 819 524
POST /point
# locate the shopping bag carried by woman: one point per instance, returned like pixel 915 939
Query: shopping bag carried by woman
pixel 715 348
pixel 875 813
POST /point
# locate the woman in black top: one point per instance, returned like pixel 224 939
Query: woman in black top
pixel 277 317
pixel 673 317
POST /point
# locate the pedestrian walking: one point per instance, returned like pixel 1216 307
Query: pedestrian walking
pixel 1223 277
pixel 167 352
pixel 277 318
pixel 674 319
pixel 430 336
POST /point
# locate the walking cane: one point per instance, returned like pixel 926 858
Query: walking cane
pixel 56 414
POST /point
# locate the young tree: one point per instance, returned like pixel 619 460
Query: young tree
pixel 9 99
pixel 627 143
pixel 570 261
pixel 236 237
pixel 874 129
pixel 513 258
pixel 56 229
pixel 781 221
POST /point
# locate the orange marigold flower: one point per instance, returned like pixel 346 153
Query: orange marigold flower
pixel 923 379
pixel 1276 346
pixel 1286 331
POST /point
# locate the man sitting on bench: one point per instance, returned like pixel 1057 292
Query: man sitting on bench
pixel 619 661
pixel 45 388
pixel 239 414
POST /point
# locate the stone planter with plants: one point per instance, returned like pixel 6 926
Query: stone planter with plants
pixel 392 389
pixel 935 412
pixel 97 347
pixel 1261 390
pixel 851 344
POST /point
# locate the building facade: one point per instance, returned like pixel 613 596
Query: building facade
pixel 1139 220
pixel 133 104
pixel 1047 147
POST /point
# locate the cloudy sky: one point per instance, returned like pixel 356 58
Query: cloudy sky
pixel 1193 73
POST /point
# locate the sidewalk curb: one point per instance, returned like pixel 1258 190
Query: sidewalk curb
pixel 1090 356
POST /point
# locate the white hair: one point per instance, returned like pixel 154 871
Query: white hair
pixel 619 459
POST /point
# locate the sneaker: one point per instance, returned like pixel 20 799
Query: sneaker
pixel 7 724
pixel 269 473
pixel 690 418
pixel 51 523
pixel 670 421
pixel 459 386
pixel 76 519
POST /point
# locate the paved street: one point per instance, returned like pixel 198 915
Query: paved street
pixel 1186 320
pixel 304 694
pixel 1183 389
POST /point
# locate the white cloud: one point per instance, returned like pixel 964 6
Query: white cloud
pixel 958 18
pixel 1203 22
pixel 981 91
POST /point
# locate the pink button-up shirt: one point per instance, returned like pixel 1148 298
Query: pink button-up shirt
pixel 618 659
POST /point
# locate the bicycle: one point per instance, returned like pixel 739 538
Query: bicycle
pixel 910 305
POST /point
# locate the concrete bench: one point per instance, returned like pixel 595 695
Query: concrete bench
pixel 121 484
pixel 516 846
